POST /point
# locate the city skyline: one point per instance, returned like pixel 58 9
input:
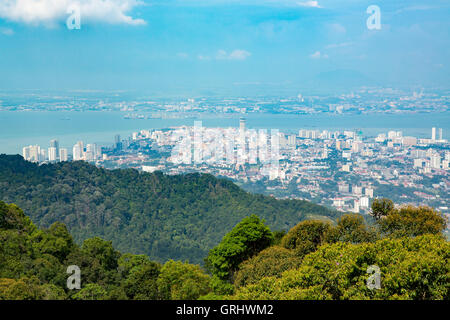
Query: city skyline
pixel 309 160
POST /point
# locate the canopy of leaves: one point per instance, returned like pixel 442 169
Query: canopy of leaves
pixel 306 236
pixel 381 207
pixel 272 261
pixel 351 228
pixel 33 265
pixel 246 239
pixel 411 268
pixel 412 221
pixel 182 281
pixel 163 216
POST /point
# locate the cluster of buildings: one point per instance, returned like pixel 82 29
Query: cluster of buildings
pixel 54 153
pixel 341 169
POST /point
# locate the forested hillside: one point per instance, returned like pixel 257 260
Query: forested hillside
pixel 165 217
pixel 314 260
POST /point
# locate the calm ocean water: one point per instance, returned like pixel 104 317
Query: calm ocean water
pixel 19 129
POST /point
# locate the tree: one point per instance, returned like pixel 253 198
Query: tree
pixel 182 281
pixel 246 239
pixel 12 217
pixel 91 291
pixel 351 228
pixel 272 261
pixel 21 289
pixel 306 236
pixel 412 221
pixel 127 262
pixel 55 241
pixel 103 251
pixel 381 208
pixel 141 284
pixel 410 268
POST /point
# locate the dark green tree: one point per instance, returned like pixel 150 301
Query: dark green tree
pixel 246 239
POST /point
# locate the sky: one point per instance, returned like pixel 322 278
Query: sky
pixel 197 46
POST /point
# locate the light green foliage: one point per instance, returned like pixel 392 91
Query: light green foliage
pixel 306 236
pixel 351 228
pixel 411 268
pixel 91 291
pixel 21 289
pixel 412 221
pixel 55 241
pixel 246 239
pixel 381 208
pixel 182 281
pixel 12 217
pixel 272 261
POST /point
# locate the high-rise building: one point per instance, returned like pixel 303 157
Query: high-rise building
pixel 433 134
pixel 435 161
pixel 418 163
pixel 440 134
pixel 357 190
pixel 343 188
pixel 242 125
pixel 63 154
pixel 364 202
pixel 77 152
pixel 117 142
pixel 54 144
pixel 292 139
pixel 92 152
pixel 26 153
pixel 52 155
pixel 32 153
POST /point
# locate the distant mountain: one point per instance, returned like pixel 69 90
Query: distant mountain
pixel 163 216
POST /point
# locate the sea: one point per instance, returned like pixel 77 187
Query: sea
pixel 23 128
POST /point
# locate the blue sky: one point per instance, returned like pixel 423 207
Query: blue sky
pixel 190 46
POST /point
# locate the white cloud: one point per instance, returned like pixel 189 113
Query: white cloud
pixel 338 28
pixel 318 55
pixel 234 55
pixel 182 55
pixel 202 57
pixel 339 45
pixel 7 31
pixel 51 12
pixel 310 4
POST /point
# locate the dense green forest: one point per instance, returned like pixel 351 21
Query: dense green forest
pixel 313 260
pixel 165 217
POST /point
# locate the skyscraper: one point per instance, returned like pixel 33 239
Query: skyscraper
pixel 77 151
pixel 440 134
pixel 433 134
pixel 117 142
pixel 242 150
pixel 52 155
pixel 26 153
pixel 32 153
pixel 63 154
pixel 54 144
